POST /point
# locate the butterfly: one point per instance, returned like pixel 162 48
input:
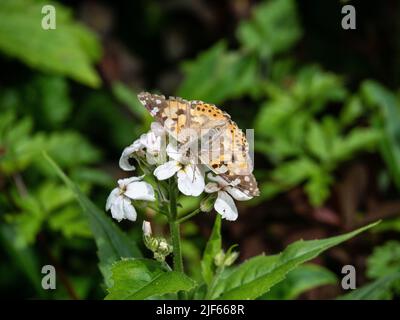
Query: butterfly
pixel 224 148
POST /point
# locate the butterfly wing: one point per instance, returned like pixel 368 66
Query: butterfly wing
pixel 185 120
pixel 223 146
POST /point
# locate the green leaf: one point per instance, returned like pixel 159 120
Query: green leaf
pixel 217 74
pixel 81 151
pixel 300 280
pixel 112 243
pixel 318 186
pixel 314 88
pixel 358 139
pixel 47 98
pixel 317 141
pixel 352 110
pixel 293 172
pixel 69 50
pixel 258 275
pixel 214 246
pixel 19 145
pixel 389 119
pixel 273 28
pixel 138 279
pixel 70 222
pixel 384 260
pixel 24 258
pixel 376 290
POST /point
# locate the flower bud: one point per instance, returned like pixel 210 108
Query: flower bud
pixel 223 259
pixel 207 204
pixel 158 245
pixel 146 228
pixel 219 259
pixel 164 247
pixel 230 258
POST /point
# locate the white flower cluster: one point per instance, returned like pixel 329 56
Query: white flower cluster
pixel 167 161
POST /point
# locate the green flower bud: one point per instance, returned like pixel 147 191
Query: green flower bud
pixel 207 204
pixel 230 258
pixel 158 245
pixel 223 259
pixel 219 259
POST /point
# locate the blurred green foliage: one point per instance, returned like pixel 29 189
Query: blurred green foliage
pixel 309 123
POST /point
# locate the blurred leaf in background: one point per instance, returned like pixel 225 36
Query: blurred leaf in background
pixel 69 50
pixel 304 144
pixel 273 28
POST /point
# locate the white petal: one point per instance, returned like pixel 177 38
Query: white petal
pixel 225 206
pixel 212 187
pixel 117 208
pixel 143 138
pixel 237 194
pixel 167 170
pixel 112 198
pixel 217 179
pixel 122 183
pixel 140 190
pixel 129 210
pixel 190 180
pixel 126 154
pixel 173 152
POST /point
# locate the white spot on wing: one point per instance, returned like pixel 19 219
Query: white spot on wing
pixel 154 111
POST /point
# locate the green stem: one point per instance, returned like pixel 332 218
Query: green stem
pixel 188 216
pixel 176 244
pixel 175 235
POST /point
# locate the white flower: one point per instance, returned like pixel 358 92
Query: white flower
pixel 146 228
pixel 151 142
pixel 190 176
pixel 119 200
pixel 224 204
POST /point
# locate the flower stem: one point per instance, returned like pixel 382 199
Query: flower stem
pixel 176 244
pixel 188 216
pixel 175 235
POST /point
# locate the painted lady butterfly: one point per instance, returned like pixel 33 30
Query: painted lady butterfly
pixel 226 152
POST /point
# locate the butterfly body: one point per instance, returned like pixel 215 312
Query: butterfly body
pixel 224 148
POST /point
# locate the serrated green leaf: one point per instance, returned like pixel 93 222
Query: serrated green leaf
pixel 214 246
pixel 300 280
pixel 258 275
pixel 138 279
pixel 112 243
